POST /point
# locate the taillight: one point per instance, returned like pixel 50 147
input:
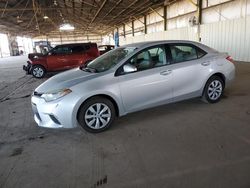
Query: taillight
pixel 229 58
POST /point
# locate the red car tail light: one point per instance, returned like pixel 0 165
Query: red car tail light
pixel 229 58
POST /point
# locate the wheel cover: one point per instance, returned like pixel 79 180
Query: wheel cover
pixel 97 116
pixel 38 72
pixel 214 90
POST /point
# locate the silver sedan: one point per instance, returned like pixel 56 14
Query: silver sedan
pixel 131 78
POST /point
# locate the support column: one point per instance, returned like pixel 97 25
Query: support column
pixel 165 18
pixel 13 45
pixel 133 29
pixel 124 32
pixel 199 10
pixel 145 24
pixel 116 38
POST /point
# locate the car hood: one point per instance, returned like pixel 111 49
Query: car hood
pixel 65 80
pixel 38 55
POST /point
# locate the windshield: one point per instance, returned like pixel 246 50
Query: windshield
pixel 110 59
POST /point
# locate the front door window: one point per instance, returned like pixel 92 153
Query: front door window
pixel 149 58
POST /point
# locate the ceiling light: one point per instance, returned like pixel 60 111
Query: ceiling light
pixel 18 19
pixel 45 17
pixel 67 27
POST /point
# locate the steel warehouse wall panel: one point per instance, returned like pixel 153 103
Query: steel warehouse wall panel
pixel 187 33
pixel 232 36
pixel 247 42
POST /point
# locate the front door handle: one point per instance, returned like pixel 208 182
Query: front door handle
pixel 206 63
pixel 166 72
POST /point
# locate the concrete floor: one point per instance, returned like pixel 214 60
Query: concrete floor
pixel 189 144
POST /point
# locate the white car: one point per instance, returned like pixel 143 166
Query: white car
pixel 131 78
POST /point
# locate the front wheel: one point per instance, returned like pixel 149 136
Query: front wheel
pixel 38 71
pixel 213 90
pixel 96 114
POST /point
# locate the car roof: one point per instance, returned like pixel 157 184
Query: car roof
pixel 106 45
pixel 152 43
pixel 76 44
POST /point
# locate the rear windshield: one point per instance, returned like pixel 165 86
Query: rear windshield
pixel 78 49
pixel 82 47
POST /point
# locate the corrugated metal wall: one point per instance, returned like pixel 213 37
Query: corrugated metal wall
pixel 232 36
pixel 187 33
pixel 226 26
pixel 65 39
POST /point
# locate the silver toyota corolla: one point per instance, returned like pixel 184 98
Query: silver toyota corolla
pixel 131 78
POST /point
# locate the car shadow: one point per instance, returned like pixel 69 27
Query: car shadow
pixel 50 74
pixel 159 112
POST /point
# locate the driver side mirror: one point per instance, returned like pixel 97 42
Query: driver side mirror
pixel 128 68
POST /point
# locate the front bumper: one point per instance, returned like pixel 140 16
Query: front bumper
pixel 55 114
pixel 27 67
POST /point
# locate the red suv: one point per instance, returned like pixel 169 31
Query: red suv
pixel 62 57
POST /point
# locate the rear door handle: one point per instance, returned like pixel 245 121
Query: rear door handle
pixel 206 63
pixel 166 72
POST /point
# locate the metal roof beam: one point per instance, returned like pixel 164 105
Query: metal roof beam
pixel 99 10
pixel 112 9
pixel 6 4
pixel 156 12
pixel 193 3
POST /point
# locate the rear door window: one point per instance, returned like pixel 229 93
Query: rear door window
pixel 185 52
pixel 78 49
pixel 87 47
pixel 60 50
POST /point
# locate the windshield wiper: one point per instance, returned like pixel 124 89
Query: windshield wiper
pixel 88 69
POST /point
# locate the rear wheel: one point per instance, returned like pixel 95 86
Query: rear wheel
pixel 213 90
pixel 38 71
pixel 96 114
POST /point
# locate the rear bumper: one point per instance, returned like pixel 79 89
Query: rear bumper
pixel 230 76
pixel 27 67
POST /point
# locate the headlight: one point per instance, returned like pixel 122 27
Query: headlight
pixel 51 96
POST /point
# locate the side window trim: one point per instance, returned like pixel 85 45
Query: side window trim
pixel 163 46
pixel 184 44
pixel 168 54
pixel 69 51
pixel 62 52
pixel 78 49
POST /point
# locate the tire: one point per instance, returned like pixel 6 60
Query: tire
pixel 38 71
pixel 213 90
pixel 91 120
